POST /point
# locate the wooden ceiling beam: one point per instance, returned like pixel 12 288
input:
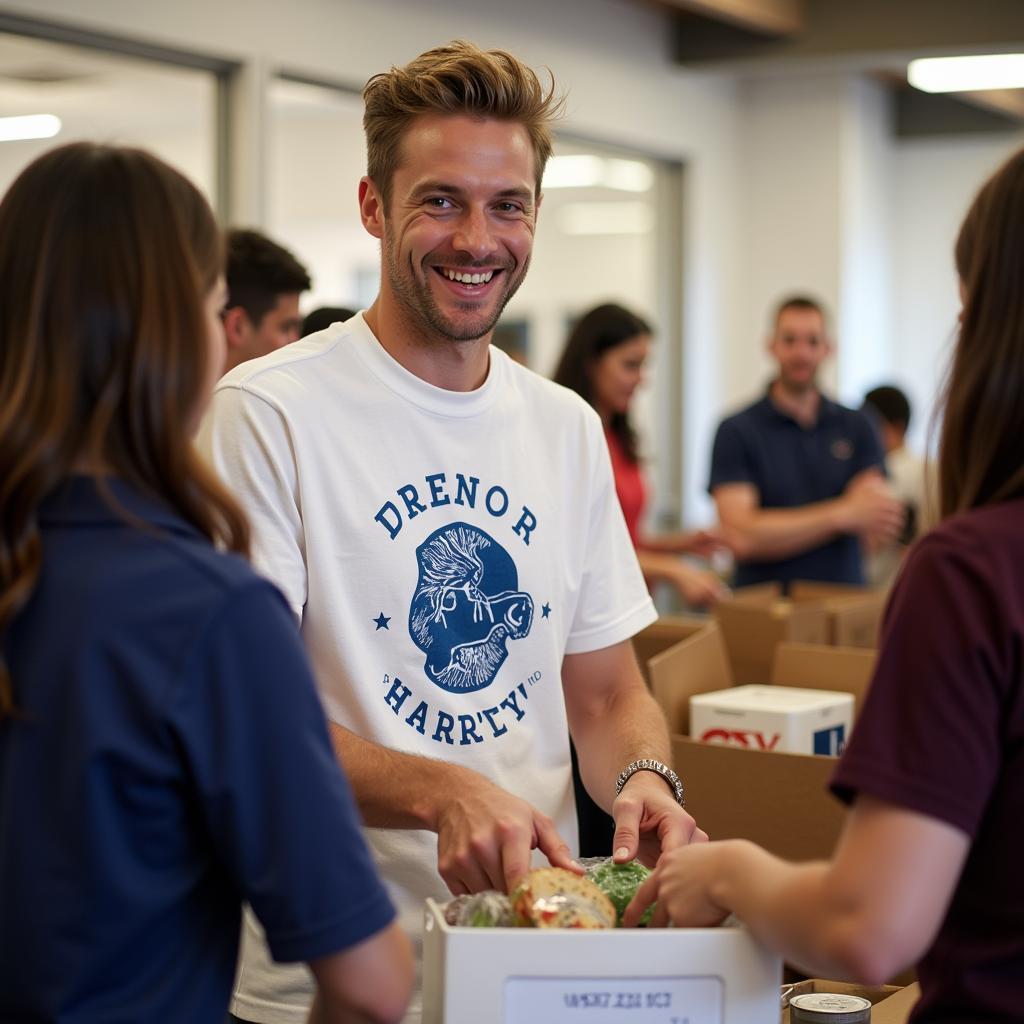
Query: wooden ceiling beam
pixel 765 17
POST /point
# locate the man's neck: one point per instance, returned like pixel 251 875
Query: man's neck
pixel 802 405
pixel 451 365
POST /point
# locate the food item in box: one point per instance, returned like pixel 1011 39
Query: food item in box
pixel 619 882
pixel 488 909
pixel 829 1008
pixel 556 898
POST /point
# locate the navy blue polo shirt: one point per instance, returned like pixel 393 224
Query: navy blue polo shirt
pixel 791 466
pixel 170 759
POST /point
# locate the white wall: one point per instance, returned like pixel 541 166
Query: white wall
pixel 865 305
pixel 934 182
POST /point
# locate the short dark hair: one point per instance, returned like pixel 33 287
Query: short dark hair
pixel 890 404
pixel 258 271
pixel 323 317
pixel 804 302
pixel 602 328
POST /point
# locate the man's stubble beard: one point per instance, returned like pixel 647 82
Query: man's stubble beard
pixel 423 313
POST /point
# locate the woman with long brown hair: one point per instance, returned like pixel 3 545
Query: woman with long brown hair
pixel 603 362
pixel 154 771
pixel 928 869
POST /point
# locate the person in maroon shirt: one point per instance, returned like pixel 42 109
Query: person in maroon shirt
pixel 928 868
pixel 603 362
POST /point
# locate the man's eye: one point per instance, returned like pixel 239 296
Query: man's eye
pixel 439 203
pixel 509 207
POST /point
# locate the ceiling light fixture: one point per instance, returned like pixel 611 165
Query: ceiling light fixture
pixel 967 74
pixel 29 126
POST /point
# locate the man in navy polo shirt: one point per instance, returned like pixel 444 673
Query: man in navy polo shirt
pixel 797 478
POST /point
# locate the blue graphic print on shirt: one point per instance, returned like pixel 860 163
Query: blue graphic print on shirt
pixel 466 607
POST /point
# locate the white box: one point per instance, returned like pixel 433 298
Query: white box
pixel 782 718
pixel 548 976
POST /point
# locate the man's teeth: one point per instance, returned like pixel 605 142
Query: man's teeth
pixel 456 275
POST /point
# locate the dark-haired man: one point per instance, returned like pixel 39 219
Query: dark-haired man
pixel 908 478
pixel 264 284
pixel 797 478
pixel 444 524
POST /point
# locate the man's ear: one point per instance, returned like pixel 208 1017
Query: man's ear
pixel 237 326
pixel 371 207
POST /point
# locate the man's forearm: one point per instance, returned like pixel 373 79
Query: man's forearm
pixel 628 727
pixel 391 788
pixel 772 533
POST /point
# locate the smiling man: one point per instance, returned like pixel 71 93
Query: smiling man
pixel 444 525
pixel 797 478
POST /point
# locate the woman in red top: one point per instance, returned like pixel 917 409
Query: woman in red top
pixel 603 362
pixel 928 869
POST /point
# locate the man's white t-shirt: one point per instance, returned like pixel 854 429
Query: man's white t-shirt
pixel 443 551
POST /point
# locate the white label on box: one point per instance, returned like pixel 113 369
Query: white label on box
pixel 670 1000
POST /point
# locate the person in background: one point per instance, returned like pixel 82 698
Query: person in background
pixel 603 361
pixel 927 870
pixel 322 317
pixel 264 284
pixel 163 753
pixel 908 473
pixel 444 524
pixel 798 479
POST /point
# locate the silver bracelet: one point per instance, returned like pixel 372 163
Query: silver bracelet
pixel 646 764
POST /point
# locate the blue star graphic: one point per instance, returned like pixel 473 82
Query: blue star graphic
pixel 545 611
pixel 382 621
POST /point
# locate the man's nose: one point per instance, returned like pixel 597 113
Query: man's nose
pixel 474 235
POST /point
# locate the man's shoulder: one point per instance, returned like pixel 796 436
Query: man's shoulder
pixel 752 413
pixel 847 414
pixel 549 398
pixel 304 360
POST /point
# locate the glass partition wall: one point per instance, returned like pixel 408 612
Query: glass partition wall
pixel 54 92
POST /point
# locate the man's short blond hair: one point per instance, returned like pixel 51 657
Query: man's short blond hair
pixel 459 78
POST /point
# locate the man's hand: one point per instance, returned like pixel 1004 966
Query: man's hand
pixel 681 885
pixel 697 587
pixel 871 510
pixel 648 821
pixel 485 835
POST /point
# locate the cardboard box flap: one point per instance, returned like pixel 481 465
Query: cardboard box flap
pixel 752 629
pixel 779 801
pixel 661 635
pixel 696 665
pixel 760 593
pixel 896 1009
pixel 816 590
pixel 855 613
pixel 817 667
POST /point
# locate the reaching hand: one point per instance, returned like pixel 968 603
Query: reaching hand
pixel 649 822
pixel 681 885
pixel 485 835
pixel 871 509
pixel 698 587
pixel 706 542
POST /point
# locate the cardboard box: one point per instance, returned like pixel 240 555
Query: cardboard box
pixel 890 1004
pixel 855 613
pixel 757 619
pixel 547 976
pixel 785 718
pixel 662 635
pixel 779 801
pixel 842 669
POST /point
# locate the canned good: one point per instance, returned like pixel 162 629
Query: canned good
pixel 829 1008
